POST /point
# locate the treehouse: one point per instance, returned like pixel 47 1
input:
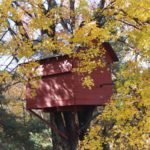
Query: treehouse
pixel 59 88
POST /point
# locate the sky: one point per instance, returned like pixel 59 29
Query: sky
pixel 5 60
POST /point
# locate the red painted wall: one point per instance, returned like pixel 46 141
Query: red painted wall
pixel 59 86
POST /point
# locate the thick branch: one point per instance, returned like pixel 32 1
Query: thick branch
pixel 101 4
pixel 51 4
pixel 129 24
pixel 18 5
pixel 72 14
pixel 62 20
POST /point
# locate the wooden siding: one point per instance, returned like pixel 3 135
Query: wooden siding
pixel 59 87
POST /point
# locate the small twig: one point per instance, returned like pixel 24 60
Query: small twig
pixel 3 35
pixel 17 4
pixel 127 23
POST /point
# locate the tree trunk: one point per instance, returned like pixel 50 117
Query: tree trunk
pixel 64 122
pixel 73 124
pixel 59 143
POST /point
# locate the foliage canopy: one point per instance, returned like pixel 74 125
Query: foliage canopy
pixel 32 27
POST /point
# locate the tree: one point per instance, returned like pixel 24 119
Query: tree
pixel 30 27
pixel 124 124
pixel 18 129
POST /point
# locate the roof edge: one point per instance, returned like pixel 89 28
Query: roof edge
pixel 111 51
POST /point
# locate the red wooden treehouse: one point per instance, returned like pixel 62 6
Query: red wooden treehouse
pixel 61 89
pixel 61 93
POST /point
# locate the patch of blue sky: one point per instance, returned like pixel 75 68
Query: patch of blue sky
pixel 7 63
pixel 7 37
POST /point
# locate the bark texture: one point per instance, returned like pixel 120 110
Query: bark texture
pixel 73 124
